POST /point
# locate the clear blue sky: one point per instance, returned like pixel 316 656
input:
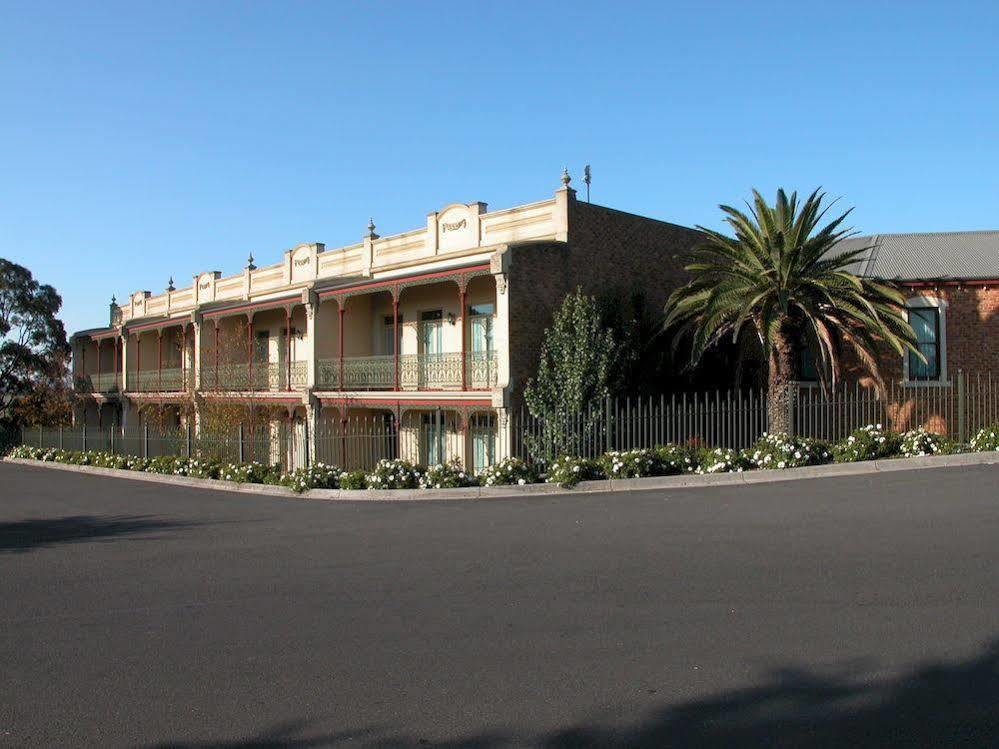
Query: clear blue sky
pixel 140 140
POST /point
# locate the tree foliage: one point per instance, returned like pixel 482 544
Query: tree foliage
pixel 33 347
pixel 781 277
pixel 574 374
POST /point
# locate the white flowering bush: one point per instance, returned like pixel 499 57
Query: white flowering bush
pixel 722 460
pixel 630 464
pixel 353 480
pixel 507 472
pixel 777 451
pixel 987 439
pixel 919 442
pixel 316 476
pixel 568 471
pixel 676 459
pixel 394 474
pixel 871 442
pixel 447 476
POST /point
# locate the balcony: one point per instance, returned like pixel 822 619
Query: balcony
pixel 106 382
pixel 170 380
pixel 416 372
pixel 262 377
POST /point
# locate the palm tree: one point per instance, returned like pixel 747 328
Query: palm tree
pixel 781 277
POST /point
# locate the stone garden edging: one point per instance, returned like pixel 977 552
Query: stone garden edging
pixel 684 481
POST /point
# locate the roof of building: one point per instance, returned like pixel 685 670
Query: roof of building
pixel 928 256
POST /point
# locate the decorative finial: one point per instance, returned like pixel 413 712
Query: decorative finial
pixel 586 179
pixel 170 286
pixel 566 179
pixel 249 262
pixel 371 227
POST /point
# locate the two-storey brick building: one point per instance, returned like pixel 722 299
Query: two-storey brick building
pixel 435 330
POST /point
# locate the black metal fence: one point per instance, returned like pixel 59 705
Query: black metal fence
pixel 958 407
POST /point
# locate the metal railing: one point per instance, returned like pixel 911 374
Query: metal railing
pixel 166 380
pixel 957 408
pixel 106 382
pixel 416 372
pixel 261 376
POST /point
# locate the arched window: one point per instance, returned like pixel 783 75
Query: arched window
pixel 928 317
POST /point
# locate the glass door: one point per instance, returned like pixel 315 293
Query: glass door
pixel 481 343
pixel 431 347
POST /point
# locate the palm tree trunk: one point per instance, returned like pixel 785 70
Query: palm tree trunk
pixel 781 375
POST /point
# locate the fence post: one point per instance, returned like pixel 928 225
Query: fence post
pixel 39 435
pixel 62 445
pixel 188 442
pixel 111 437
pixel 84 438
pixel 240 439
pixel 607 423
pixel 962 416
pixel 145 440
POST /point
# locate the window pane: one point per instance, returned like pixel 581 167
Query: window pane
pixel 924 322
pixel 928 370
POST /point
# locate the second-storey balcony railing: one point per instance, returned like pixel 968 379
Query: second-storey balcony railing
pixel 167 380
pixel 260 377
pixel 106 382
pixel 416 372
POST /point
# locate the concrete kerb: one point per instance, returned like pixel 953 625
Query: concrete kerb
pixel 684 481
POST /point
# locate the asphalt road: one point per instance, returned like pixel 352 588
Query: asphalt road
pixel 858 611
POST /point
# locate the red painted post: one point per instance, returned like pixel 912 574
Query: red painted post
pixel 249 351
pixel 464 337
pixel 216 321
pixel 341 310
pixel 395 335
pixel 287 327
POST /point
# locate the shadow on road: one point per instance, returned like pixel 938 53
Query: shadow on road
pixel 27 535
pixel 939 704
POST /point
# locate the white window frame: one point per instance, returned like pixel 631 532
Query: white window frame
pixel 941 307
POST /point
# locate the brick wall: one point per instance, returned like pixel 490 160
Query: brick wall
pixel 610 254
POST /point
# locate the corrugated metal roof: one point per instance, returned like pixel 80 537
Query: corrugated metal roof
pixel 928 256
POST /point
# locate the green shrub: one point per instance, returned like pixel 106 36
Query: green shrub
pixel 394 474
pixel 447 476
pixel 630 464
pixel 722 460
pixel 353 480
pixel 316 476
pixel 203 468
pixel 250 473
pixel 786 451
pixel 568 471
pixel 676 459
pixel 508 471
pixel 871 442
pixel 919 442
pixel 987 439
